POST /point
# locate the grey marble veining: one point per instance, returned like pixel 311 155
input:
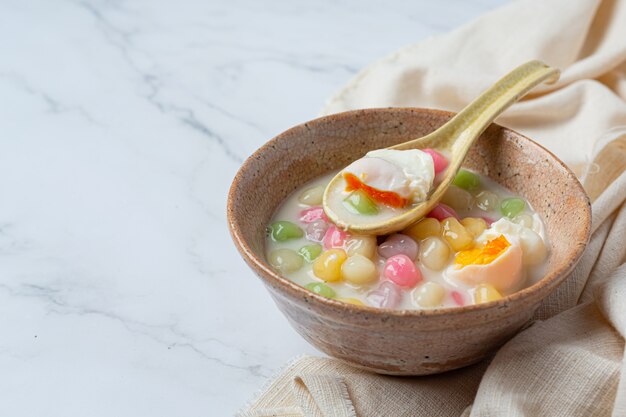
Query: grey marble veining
pixel 122 124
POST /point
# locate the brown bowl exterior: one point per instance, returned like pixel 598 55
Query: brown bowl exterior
pixel 404 342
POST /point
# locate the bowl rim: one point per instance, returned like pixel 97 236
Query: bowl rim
pixel 260 265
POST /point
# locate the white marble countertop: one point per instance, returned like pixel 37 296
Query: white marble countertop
pixel 121 126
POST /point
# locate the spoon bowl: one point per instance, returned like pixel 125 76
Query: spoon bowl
pixel 455 137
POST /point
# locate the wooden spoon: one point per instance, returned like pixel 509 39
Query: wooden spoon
pixel 454 138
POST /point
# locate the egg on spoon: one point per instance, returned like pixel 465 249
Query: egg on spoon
pixel 382 184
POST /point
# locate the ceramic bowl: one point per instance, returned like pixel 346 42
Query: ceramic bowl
pixel 405 342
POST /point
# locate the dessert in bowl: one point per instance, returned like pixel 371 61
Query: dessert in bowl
pixel 414 336
pixel 478 244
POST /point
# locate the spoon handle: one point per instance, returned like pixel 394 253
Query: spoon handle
pixel 460 132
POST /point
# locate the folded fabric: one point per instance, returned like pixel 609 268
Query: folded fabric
pixel 570 362
pixel 586 39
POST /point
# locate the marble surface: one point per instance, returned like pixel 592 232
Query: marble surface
pixel 122 124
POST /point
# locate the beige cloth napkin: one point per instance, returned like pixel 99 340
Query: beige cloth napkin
pixel 571 361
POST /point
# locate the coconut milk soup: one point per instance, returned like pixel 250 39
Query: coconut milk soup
pixel 480 243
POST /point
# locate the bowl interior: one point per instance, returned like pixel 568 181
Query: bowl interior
pixel 330 143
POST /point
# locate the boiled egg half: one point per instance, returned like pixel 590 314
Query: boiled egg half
pixel 498 262
pixel 501 253
pixel 392 177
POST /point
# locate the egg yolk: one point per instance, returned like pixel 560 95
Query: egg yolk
pixel 388 198
pixel 484 255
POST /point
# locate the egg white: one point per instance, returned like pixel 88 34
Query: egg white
pixel 409 173
pixel 528 248
pixel 533 244
pixel 504 272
